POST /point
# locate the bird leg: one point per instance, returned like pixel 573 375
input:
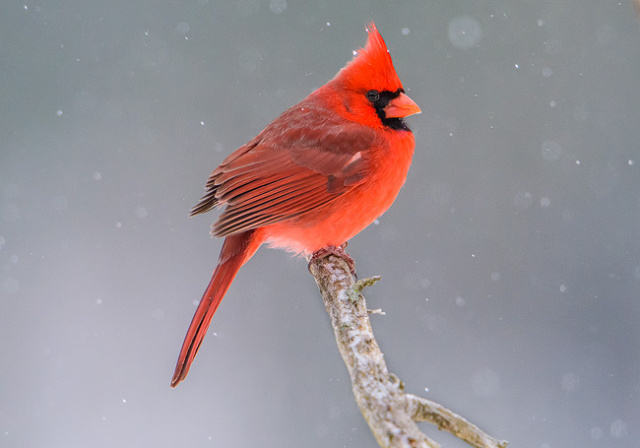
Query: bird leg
pixel 338 251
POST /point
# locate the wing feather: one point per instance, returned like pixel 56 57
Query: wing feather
pixel 251 219
pixel 297 164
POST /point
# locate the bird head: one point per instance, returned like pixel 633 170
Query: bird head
pixel 371 88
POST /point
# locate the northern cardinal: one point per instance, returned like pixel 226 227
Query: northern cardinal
pixel 316 176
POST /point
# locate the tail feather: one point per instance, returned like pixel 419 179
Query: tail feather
pixel 236 251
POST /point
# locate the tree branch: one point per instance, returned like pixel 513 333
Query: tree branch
pixel 390 413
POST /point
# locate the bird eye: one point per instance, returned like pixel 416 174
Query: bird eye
pixel 373 95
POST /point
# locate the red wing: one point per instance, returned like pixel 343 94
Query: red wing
pixel 285 173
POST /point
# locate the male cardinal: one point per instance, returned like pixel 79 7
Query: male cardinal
pixel 316 176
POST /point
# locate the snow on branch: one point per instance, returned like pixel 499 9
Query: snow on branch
pixel 390 413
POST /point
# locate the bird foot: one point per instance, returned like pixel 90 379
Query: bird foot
pixel 338 251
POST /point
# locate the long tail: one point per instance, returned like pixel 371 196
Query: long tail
pixel 236 251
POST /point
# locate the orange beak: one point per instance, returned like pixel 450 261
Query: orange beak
pixel 400 107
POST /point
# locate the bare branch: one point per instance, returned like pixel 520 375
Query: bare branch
pixel 390 413
pixel 423 410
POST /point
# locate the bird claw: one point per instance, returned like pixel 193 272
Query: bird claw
pixel 338 251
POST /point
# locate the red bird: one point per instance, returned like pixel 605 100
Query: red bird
pixel 315 177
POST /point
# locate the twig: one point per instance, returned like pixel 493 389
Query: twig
pixel 390 413
pixel 423 410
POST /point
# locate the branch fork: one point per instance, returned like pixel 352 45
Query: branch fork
pixel 390 413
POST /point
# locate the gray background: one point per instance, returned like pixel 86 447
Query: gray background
pixel 510 261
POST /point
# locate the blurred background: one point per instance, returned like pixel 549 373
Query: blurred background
pixel 510 260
